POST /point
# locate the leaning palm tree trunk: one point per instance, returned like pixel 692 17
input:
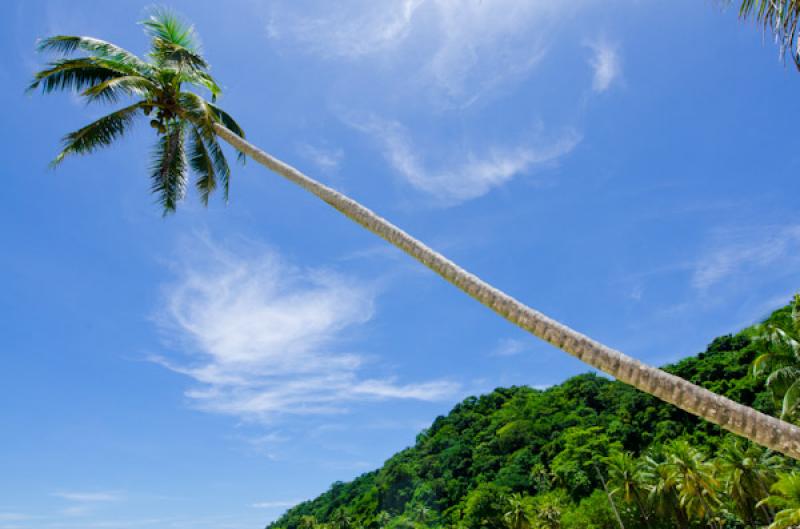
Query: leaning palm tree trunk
pixel 737 418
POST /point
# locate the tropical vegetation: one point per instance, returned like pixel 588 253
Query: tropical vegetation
pixel 587 453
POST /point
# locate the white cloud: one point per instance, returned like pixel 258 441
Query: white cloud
pixel 77 510
pixel 509 347
pixel 14 517
pixel 88 497
pixel 327 159
pixel 349 30
pixel 263 338
pixel 606 65
pixel 746 251
pixel 461 47
pixel 471 174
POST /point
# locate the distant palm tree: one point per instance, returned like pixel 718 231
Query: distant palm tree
pixel 664 495
pixel 308 521
pixel 785 499
pixel 748 472
pixel 778 17
pixel 165 83
pixel 420 514
pixel 517 515
pixel 781 360
pixel 694 480
pixel 382 519
pixel 548 512
pixel 340 520
pixel 626 478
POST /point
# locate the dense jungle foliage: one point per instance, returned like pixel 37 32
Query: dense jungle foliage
pixel 573 454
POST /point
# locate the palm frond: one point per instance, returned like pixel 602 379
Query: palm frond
pixel 202 79
pixel 165 25
pixel 791 399
pixel 199 112
pixel 229 123
pixel 220 165
pixel 779 17
pixel 169 168
pixel 67 44
pixel 201 163
pixel 113 89
pixel 173 41
pixel 78 74
pixel 100 133
pixel 168 54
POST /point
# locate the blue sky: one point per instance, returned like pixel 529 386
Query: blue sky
pixel 628 167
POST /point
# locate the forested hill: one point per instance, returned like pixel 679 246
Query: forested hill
pixel 535 443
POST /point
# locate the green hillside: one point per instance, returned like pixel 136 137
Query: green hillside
pixel 549 446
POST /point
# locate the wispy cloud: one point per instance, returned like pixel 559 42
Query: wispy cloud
pixel 605 63
pixel 88 497
pixel 747 250
pixel 471 174
pixel 509 347
pixel 326 159
pixel 262 338
pixel 462 48
pixel 350 30
pixel 14 516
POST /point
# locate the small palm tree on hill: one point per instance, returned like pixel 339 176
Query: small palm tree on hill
pixel 747 472
pixel 164 88
pixel 780 360
pixel 517 517
pixel 785 499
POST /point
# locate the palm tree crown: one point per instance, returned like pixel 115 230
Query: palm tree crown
pixel 165 83
pixel 780 358
pixel 779 17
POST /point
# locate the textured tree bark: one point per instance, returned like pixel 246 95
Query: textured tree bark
pixel 758 427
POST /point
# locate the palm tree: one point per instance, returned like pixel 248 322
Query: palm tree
pixel 517 515
pixel 626 479
pixel 420 513
pixel 548 512
pixel 785 498
pixel 340 520
pixel 382 519
pixel 779 17
pixel 693 477
pixel 162 84
pixel 663 493
pixel 165 82
pixel 748 472
pixel 308 521
pixel 781 360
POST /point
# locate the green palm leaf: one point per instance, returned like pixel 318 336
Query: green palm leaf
pixel 780 17
pixel 169 168
pixel 70 74
pixel 67 44
pixel 115 88
pixel 100 133
pixel 201 163
pixel 791 399
pixel 174 42
pixel 229 123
